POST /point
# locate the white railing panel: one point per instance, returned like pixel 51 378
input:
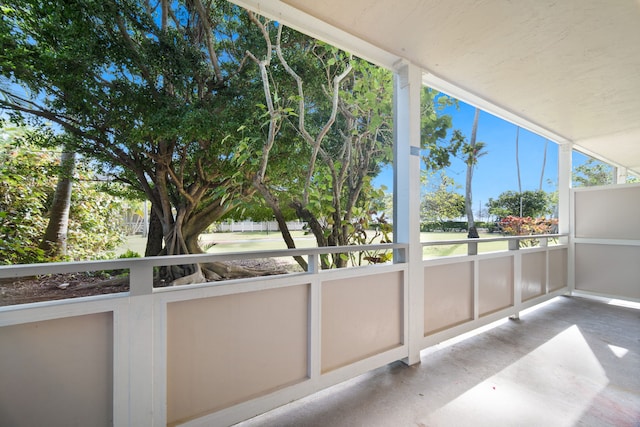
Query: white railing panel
pixel 360 317
pixel 463 293
pixel 315 380
pixel 534 274
pixel 58 372
pixel 448 296
pixel 558 268
pixel 228 349
pixel 496 284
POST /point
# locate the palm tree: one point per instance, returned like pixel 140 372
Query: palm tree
pixel 473 151
pixel 518 166
pixel 54 241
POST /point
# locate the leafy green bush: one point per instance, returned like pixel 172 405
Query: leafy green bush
pixel 445 226
pixel 28 177
pixel 130 254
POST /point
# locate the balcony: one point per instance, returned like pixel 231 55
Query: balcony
pixel 370 340
pixel 223 352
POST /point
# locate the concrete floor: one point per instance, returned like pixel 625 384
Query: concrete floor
pixel 573 362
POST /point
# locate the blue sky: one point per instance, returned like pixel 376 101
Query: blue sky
pixel 496 171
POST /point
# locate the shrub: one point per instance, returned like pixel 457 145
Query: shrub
pixel 527 226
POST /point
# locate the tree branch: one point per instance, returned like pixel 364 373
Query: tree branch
pixel 314 142
pixel 204 20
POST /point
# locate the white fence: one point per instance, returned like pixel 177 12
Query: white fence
pixel 218 353
pixel 135 224
pixel 240 226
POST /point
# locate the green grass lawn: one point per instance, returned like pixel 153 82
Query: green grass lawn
pixel 232 242
pixel 263 241
pixel 457 249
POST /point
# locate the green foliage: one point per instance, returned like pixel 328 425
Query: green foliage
pixel 23 198
pixel 534 204
pixel 129 254
pixel 444 226
pixel 592 173
pixel 434 127
pixel 96 219
pixel 28 176
pixel 443 204
pixel 370 229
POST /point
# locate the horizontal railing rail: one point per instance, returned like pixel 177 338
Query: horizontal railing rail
pixel 514 241
pixel 22 270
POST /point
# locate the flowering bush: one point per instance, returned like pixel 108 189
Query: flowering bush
pixel 527 226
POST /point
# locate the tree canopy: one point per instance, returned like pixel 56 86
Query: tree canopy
pixel 442 204
pixel 591 173
pixel 151 90
pixel 534 204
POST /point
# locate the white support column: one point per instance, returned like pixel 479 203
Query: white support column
pixel 564 188
pixel 406 195
pixel 565 217
pixel 620 175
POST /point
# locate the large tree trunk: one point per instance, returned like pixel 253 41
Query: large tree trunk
pixel 54 241
pixel 468 206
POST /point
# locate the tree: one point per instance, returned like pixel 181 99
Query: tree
pixel 472 152
pixel 439 154
pixel 334 112
pixel 153 91
pixel 443 204
pixel 518 166
pixel 534 204
pixel 527 226
pixel 544 163
pixel 592 173
pixel 54 241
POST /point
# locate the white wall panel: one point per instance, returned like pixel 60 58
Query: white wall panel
pixel 612 270
pixel 608 213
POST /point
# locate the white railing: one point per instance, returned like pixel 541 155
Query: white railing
pixel 137 358
pixel 217 353
pixel 513 241
pixel 478 288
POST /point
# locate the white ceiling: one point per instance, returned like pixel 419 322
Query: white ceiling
pixel 567 69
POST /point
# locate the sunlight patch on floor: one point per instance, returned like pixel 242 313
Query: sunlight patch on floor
pixel 624 303
pixel 552 385
pixel 620 352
